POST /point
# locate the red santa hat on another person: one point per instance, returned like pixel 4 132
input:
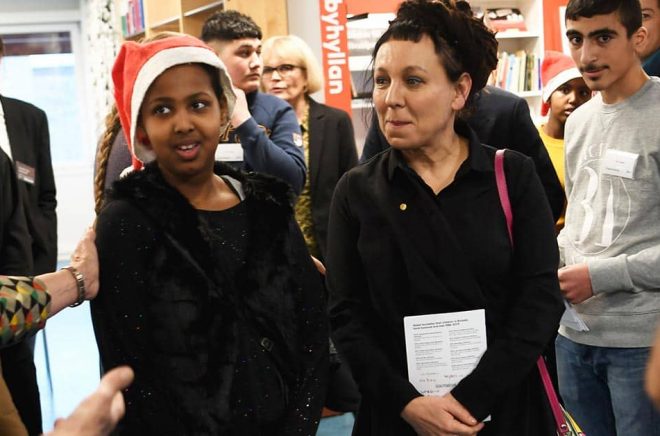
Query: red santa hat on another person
pixel 136 68
pixel 556 69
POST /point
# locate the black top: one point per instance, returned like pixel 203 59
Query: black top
pixel 502 120
pixel 397 249
pixel 228 236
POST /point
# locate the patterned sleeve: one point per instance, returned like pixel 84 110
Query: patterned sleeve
pixel 24 308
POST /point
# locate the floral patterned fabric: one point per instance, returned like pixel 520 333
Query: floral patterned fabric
pixel 24 308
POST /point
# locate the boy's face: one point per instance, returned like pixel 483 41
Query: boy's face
pixel 180 120
pixel 568 97
pixel 650 20
pixel 602 51
pixel 242 57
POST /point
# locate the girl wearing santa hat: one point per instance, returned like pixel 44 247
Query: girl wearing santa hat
pixel 207 290
pixel 564 91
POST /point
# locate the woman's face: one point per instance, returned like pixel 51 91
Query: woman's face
pixel 181 119
pixel 415 100
pixel 284 77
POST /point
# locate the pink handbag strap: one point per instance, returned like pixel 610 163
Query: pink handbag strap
pixel 503 192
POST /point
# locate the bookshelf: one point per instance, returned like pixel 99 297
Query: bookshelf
pixel 140 18
pixel 520 50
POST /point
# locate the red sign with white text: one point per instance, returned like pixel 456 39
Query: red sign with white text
pixel 334 49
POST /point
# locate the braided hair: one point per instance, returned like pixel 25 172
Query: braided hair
pixel 112 128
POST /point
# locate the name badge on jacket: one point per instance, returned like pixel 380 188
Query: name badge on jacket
pixel 620 163
pixel 25 172
pixel 229 152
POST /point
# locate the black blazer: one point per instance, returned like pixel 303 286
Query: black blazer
pixel 502 120
pixel 331 153
pixel 27 129
pixel 15 253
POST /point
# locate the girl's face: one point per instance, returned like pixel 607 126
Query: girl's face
pixel 568 97
pixel 414 99
pixel 180 120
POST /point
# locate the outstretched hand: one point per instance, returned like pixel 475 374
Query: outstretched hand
pixel 99 413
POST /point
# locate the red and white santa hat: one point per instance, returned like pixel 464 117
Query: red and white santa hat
pixel 138 65
pixel 556 69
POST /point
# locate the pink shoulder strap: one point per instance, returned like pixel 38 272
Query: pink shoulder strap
pixel 503 192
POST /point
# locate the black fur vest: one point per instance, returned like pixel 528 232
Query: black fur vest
pixel 197 314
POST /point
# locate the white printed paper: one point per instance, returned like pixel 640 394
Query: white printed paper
pixel 442 349
pixel 572 320
pixel 229 152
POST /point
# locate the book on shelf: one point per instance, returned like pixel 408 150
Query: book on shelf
pixel 132 17
pixel 505 19
pixel 517 72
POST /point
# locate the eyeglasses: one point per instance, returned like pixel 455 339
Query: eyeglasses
pixel 283 70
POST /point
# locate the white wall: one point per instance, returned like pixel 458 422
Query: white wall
pixel 303 18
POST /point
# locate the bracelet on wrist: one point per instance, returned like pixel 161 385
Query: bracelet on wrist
pixel 80 285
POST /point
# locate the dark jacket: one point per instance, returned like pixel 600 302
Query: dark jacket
pixel 168 309
pixel 502 120
pixel 651 64
pixel 331 153
pixel 271 140
pixel 15 246
pixel 27 129
pixel 386 261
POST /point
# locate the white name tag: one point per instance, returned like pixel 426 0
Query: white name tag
pixel 620 163
pixel 229 152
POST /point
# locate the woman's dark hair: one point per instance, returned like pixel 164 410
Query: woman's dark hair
pixel 630 11
pixel 462 42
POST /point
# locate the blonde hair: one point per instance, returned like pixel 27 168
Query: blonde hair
pixel 112 128
pixel 294 48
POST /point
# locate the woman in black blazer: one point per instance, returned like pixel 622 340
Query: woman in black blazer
pixel 291 72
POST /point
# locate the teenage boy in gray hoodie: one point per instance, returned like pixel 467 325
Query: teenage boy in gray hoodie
pixel 610 246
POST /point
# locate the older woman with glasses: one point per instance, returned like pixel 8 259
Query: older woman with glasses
pixel 292 73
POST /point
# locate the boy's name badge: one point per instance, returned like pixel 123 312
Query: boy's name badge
pixel 229 152
pixel 620 163
pixel 25 172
